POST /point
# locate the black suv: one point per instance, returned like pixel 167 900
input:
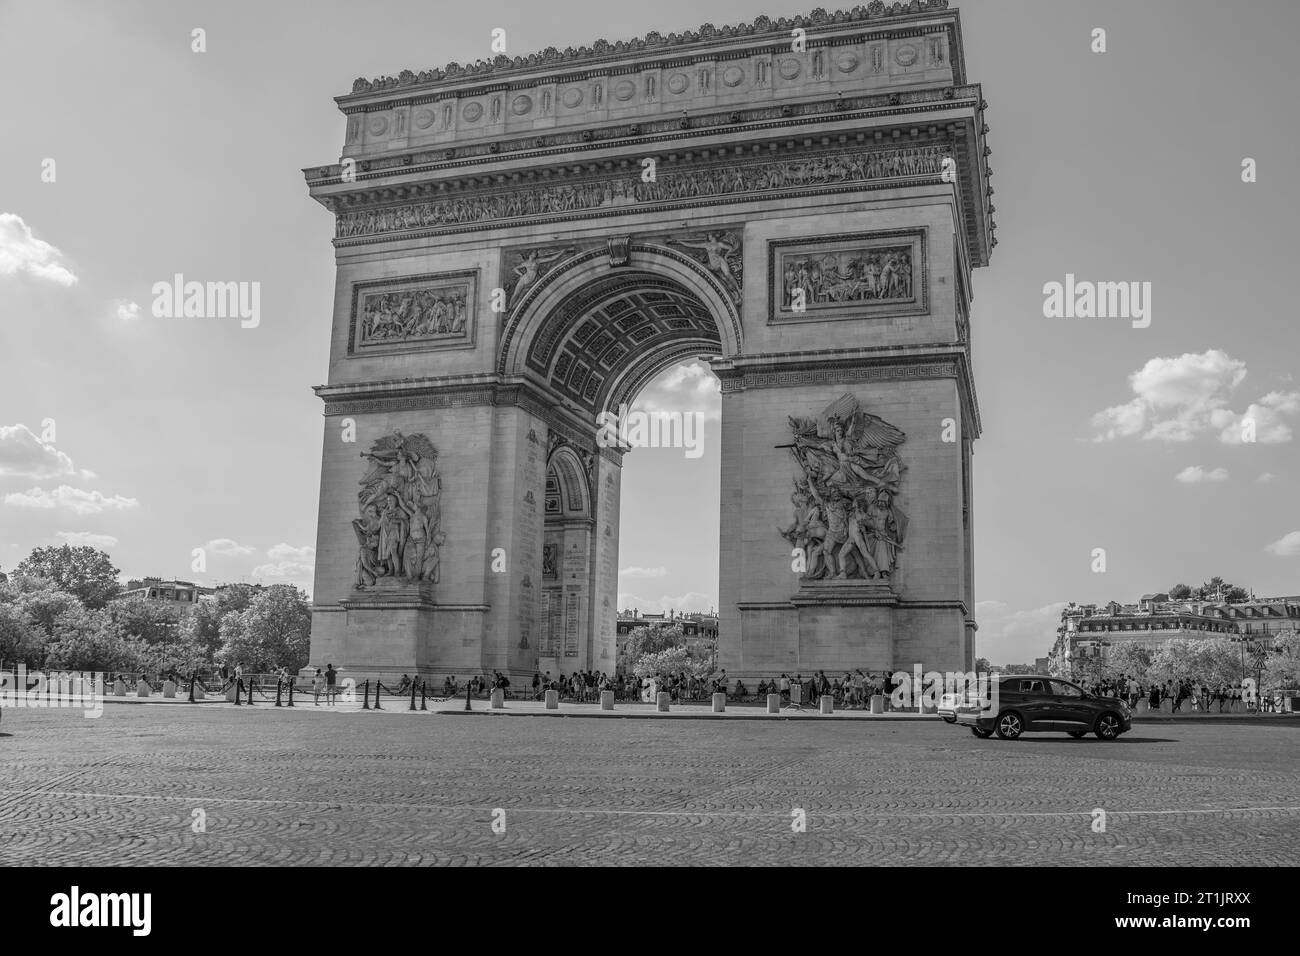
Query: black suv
pixel 1035 702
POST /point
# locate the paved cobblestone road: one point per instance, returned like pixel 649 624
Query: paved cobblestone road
pixel 310 786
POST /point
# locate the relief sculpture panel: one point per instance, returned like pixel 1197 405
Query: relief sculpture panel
pixel 414 313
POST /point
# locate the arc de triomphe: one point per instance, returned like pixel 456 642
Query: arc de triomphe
pixel 524 243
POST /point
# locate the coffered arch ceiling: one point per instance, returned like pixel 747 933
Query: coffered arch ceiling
pixel 605 340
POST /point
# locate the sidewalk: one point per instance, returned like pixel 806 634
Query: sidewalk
pixel 690 710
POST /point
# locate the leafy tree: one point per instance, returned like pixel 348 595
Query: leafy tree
pixel 649 639
pixel 1206 661
pixel 43 608
pixel 1126 659
pixel 982 665
pixel 203 624
pixel 178 654
pixel 685 660
pixel 149 621
pixel 1282 669
pixel 19 640
pixel 84 571
pixel 273 631
pixel 1180 592
pixel 86 640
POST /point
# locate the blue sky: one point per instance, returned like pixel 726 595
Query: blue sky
pixel 1123 166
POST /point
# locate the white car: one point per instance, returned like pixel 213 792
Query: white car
pixel 948 704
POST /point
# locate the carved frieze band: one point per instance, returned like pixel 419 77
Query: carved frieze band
pixel 490 209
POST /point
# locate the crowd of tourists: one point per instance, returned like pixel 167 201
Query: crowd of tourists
pixel 1182 696
pixel 853 690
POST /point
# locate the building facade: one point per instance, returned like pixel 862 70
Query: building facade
pixel 522 245
pixel 1089 630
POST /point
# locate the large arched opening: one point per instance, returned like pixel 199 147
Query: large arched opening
pixel 593 335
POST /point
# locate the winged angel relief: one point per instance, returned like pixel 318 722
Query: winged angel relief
pixel 400 501
pixel 845 520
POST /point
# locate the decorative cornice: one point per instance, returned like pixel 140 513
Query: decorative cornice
pixel 848 366
pixel 378 398
pixel 644 132
pixel 653 42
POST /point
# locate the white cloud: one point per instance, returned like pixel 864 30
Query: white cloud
pixel 1175 399
pixel 1266 478
pixel 288 563
pixel 24 455
pixel 1266 417
pixel 227 547
pixel 79 538
pixel 20 251
pixel 642 572
pixel 1195 475
pixel 70 499
pixel 126 311
pixel 1287 546
pixel 690 377
pixel 287 552
pixel 688 387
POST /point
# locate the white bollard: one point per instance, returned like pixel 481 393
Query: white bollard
pixel 119 688
pixel 498 699
pixel 199 692
pixel 662 701
pixel 142 689
pixel 774 703
pixel 606 700
pixel 719 703
pixel 552 700
pixel 169 689
pixel 877 703
pixel 828 704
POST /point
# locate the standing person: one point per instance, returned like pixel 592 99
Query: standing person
pixel 317 685
pixel 331 676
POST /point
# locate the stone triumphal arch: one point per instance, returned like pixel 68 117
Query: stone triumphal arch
pixel 524 243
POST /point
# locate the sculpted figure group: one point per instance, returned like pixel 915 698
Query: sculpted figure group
pixel 846 523
pixel 860 275
pixel 400 316
pixel 399 532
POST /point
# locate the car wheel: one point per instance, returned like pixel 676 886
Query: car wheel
pixel 1076 734
pixel 949 720
pixel 1009 725
pixel 1108 726
pixel 981 733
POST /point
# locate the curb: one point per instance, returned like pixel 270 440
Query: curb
pixel 632 715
